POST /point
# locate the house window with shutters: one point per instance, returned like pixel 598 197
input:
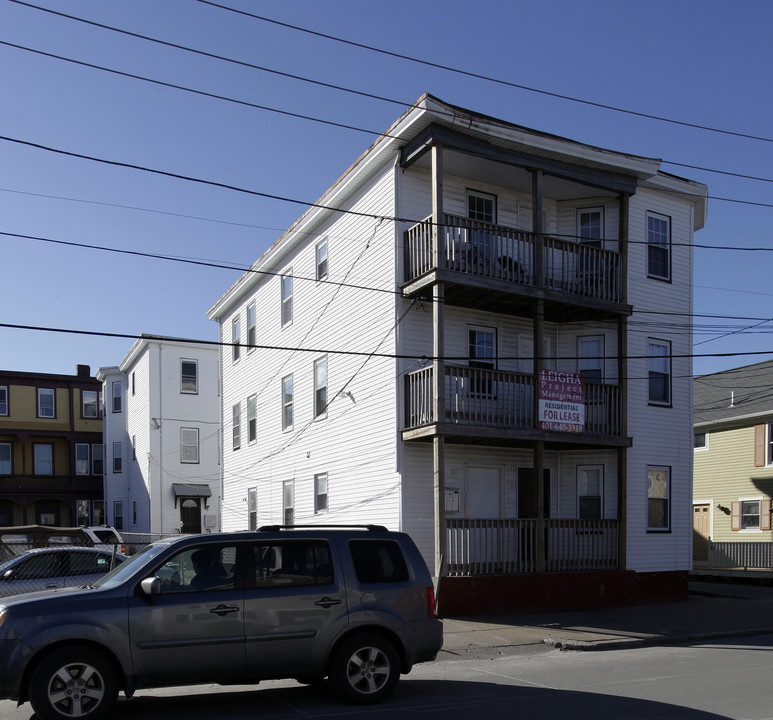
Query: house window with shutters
pixel 750 515
pixel 763 445
pixel 189 445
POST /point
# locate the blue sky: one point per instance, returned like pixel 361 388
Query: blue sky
pixel 703 62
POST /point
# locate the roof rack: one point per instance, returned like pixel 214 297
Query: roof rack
pixel 273 528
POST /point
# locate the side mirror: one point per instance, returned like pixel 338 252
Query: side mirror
pixel 8 574
pixel 151 586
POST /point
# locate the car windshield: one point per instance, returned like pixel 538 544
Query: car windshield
pixel 126 569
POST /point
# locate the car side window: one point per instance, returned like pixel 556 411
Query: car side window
pixel 378 561
pixel 40 566
pixel 200 568
pixel 284 563
pixel 87 563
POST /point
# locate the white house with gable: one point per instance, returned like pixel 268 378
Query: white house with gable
pixel 464 340
pixel 162 438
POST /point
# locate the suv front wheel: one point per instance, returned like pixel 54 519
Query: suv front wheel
pixel 364 669
pixel 76 682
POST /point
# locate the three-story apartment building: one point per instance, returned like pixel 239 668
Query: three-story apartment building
pixel 463 339
pixel 51 454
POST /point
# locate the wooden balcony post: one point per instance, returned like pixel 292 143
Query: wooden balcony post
pixel 438 247
pixel 536 224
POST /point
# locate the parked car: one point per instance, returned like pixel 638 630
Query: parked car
pixel 54 567
pixel 17 539
pixel 355 605
pixel 105 538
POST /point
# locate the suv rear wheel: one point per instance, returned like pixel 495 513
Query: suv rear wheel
pixel 73 682
pixel 364 669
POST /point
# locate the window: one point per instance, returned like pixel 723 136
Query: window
pixel 321 258
pixel 658 498
pixel 98 512
pixel 252 330
pixel 659 372
pixel 700 441
pixel 203 568
pixel 189 376
pixel 118 515
pixel 117 453
pixel 97 459
pixel 237 426
pixel 82 466
pixel 293 563
pixel 320 493
pixel 236 337
pixel 287 298
pixel 43 459
pixel 252 418
pixel 287 402
pixel 590 358
pixel 3 399
pixel 189 445
pixel 378 561
pixel 590 491
pixel 750 514
pixel 134 384
pixel 320 387
pixel 482 351
pixel 482 208
pixel 252 508
pixel 6 459
pixel 46 403
pixel 90 399
pixel 658 246
pixel 288 502
pixel 134 447
pixel 590 226
pixel 117 393
pixel 84 512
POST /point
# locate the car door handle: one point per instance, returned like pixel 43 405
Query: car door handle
pixel 223 610
pixel 327 602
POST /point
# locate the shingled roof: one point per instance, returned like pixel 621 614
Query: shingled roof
pixel 741 396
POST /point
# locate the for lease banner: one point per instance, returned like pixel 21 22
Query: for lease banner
pixel 561 401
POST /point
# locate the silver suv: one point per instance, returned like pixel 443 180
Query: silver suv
pixel 355 605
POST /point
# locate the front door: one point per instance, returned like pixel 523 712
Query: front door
pixel 701 526
pixel 190 515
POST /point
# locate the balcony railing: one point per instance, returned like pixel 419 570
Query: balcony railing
pixel 509 545
pixel 500 399
pixel 22 483
pixel 494 252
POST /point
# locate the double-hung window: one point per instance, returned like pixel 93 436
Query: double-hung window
pixel 189 445
pixel 482 353
pixel 287 298
pixel 117 457
pixel 6 462
pixel 237 426
pixel 481 208
pixel 590 226
pixel 252 508
pixel 590 491
pixel 46 403
pixel 117 397
pixel 236 338
pixel 43 456
pixel 288 502
pixel 82 459
pixel 321 259
pixel 658 498
pixel 90 403
pixel 252 418
pixel 659 372
pixel 287 402
pixel 320 493
pixel 320 387
pixel 658 246
pixel 97 459
pixel 189 377
pixel 252 329
pixel 590 358
pixel 3 400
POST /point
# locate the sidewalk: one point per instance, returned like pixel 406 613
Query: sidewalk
pixel 713 610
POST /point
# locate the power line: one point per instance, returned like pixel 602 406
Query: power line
pixel 480 76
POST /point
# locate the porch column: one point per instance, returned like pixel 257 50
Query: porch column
pixel 622 374
pixel 438 348
pixel 536 226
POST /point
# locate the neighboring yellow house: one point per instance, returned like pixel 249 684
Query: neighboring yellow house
pixel 733 458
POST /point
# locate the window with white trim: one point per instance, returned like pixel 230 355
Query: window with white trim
pixel 117 396
pixel 658 498
pixel 321 259
pixel 252 419
pixel 590 226
pixel 237 426
pixel 3 400
pixel 287 297
pixel 90 403
pixel 97 459
pixel 252 327
pixel 46 403
pixel 6 458
pixel 252 508
pixel 320 493
pixel 482 354
pixel 189 376
pixel 287 402
pixel 43 458
pixel 320 387
pixel 82 466
pixel 659 372
pixel 117 457
pixel 700 441
pixel 288 502
pixel 590 492
pixel 236 338
pixel 189 445
pixel 118 515
pixel 750 514
pixel 658 246
pixel 590 357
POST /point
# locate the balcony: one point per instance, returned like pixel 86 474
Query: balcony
pixel 481 402
pixel 509 545
pixel 65 484
pixel 504 259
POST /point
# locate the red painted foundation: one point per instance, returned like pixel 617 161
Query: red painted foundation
pixel 500 594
